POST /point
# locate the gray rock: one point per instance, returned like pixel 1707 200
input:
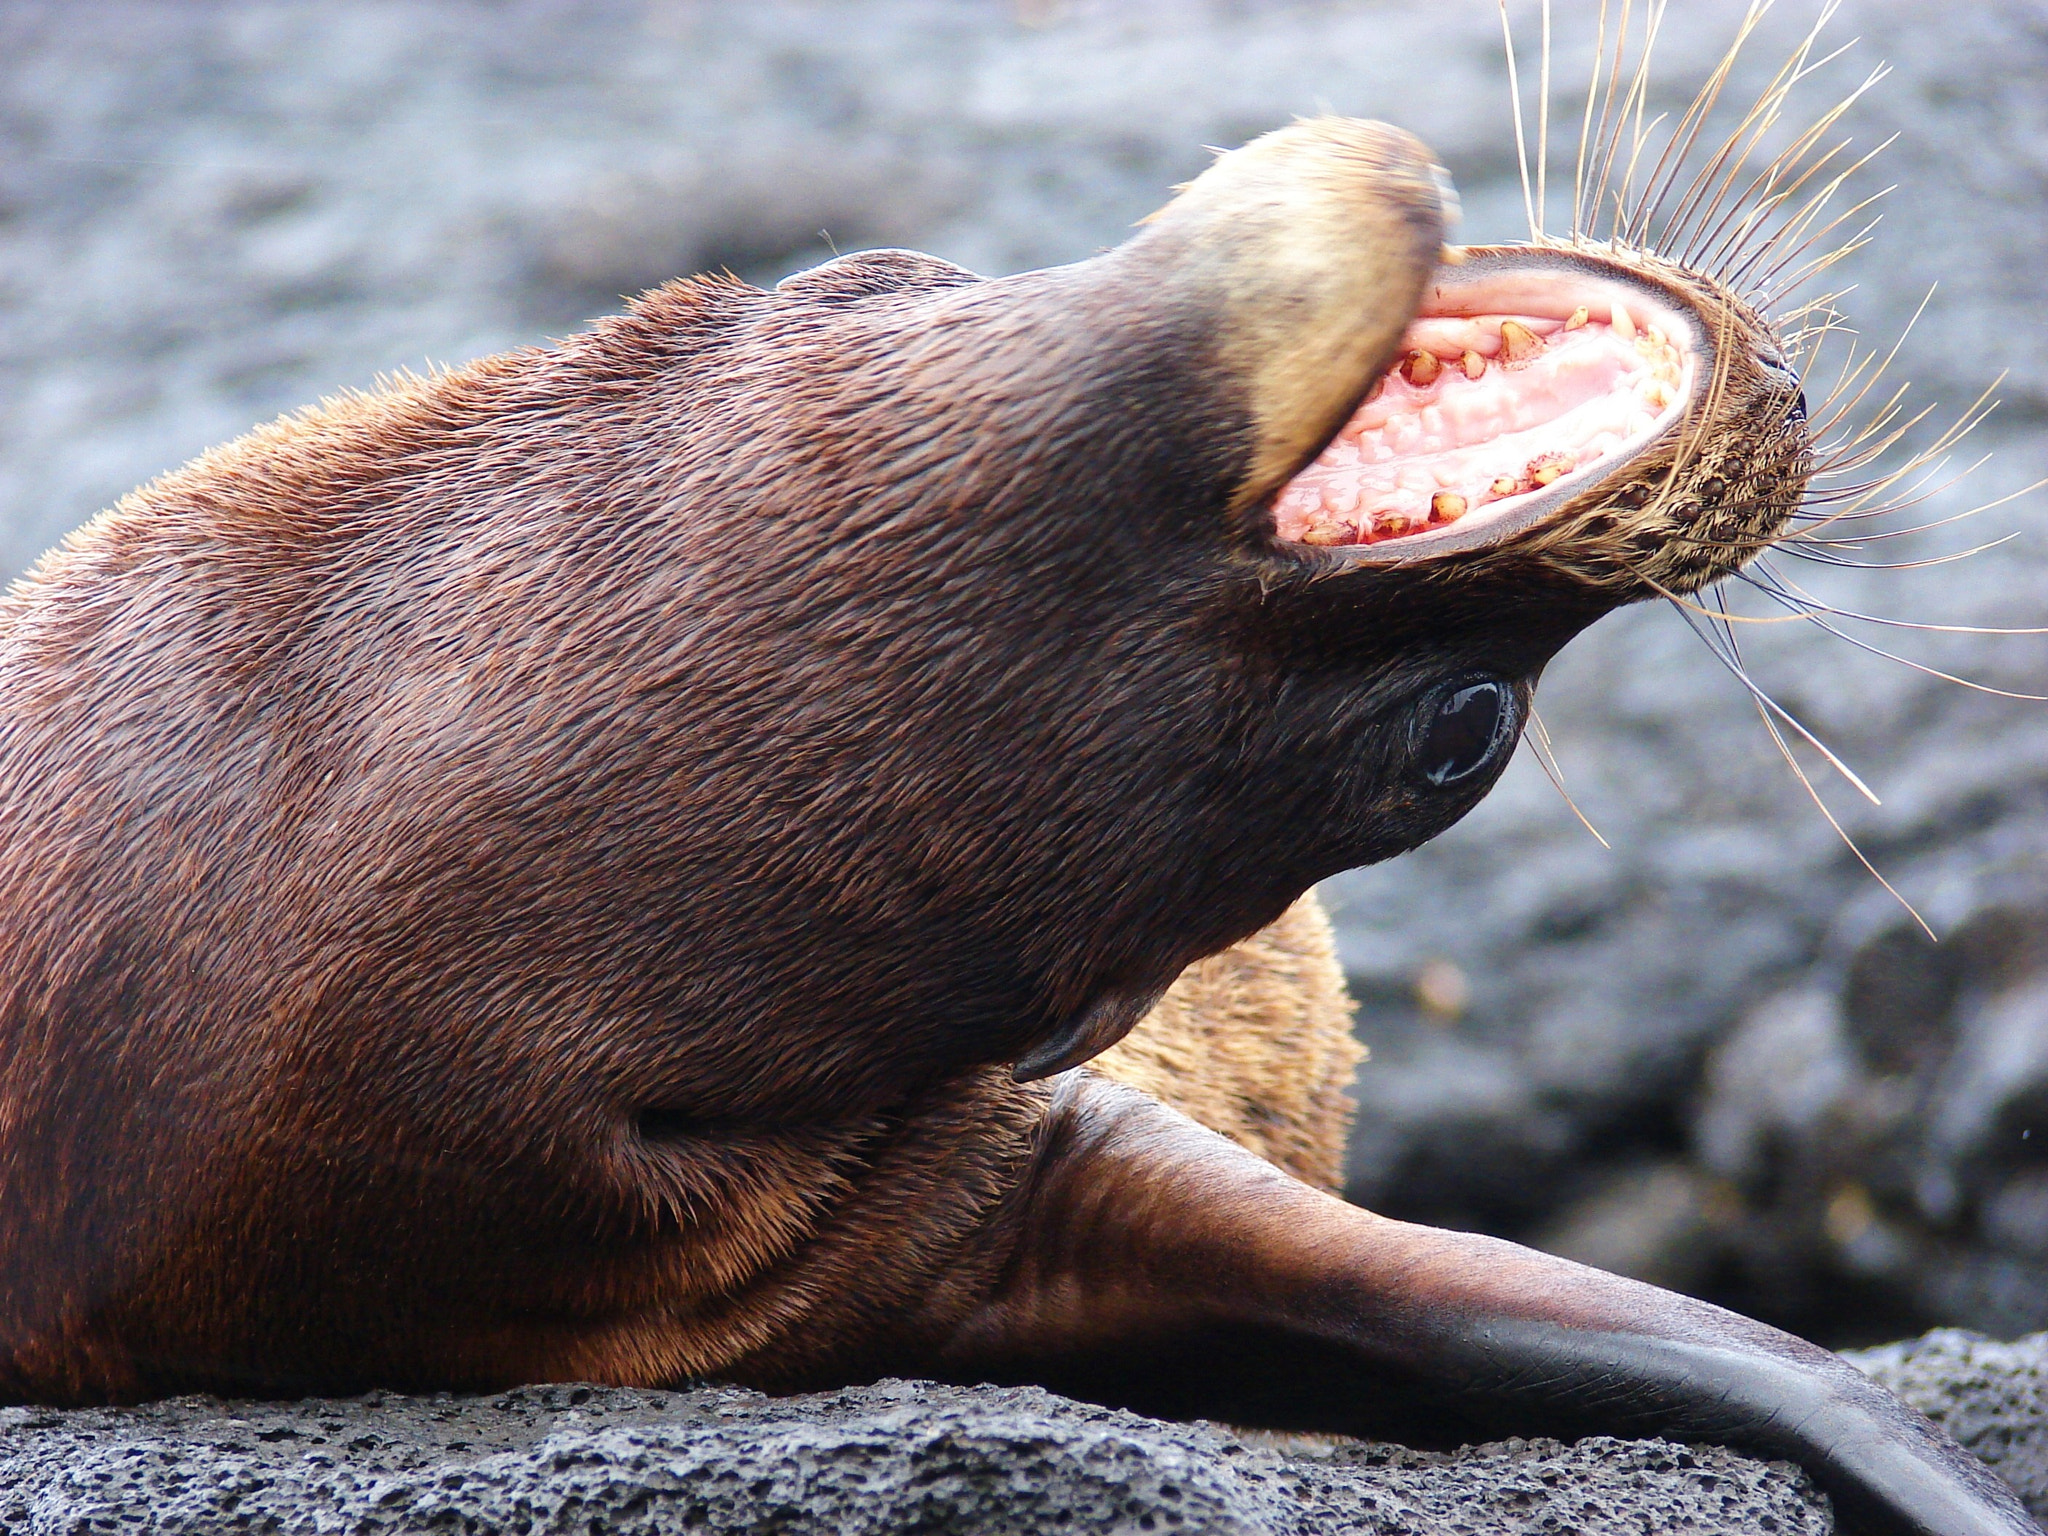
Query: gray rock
pixel 898 1456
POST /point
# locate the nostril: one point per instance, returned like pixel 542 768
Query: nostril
pixel 1787 374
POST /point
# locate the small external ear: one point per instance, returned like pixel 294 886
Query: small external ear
pixel 1088 1034
pixel 865 274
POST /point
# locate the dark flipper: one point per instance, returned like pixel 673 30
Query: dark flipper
pixel 1157 1266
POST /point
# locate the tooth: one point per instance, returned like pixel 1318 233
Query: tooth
pixel 1325 533
pixel 1473 364
pixel 1624 324
pixel 1504 486
pixel 1579 317
pixel 1447 506
pixel 1548 468
pixel 1656 336
pixel 1421 368
pixel 1517 342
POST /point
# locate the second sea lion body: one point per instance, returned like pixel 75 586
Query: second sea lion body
pixel 599 864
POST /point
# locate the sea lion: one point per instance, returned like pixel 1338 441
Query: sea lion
pixel 602 864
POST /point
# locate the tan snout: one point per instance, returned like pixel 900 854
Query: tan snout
pixel 1311 246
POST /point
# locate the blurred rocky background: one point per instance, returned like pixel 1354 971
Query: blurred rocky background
pixel 1716 1052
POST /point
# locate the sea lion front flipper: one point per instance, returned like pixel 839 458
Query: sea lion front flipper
pixel 1155 1265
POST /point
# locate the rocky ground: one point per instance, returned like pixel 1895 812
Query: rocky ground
pixel 902 1456
pixel 1715 1053
pixel 898 1456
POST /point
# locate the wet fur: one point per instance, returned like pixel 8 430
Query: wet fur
pixel 606 791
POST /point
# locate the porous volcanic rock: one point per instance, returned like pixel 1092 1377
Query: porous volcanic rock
pixel 897 1456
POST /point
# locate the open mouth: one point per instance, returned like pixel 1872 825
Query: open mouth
pixel 1525 378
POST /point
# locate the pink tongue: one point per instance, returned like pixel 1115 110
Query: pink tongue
pixel 1423 454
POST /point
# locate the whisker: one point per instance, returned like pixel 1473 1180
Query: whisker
pixel 1877 538
pixel 1773 281
pixel 1637 84
pixel 1725 165
pixel 1767 192
pixel 1765 567
pixel 1834 410
pixel 1543 129
pixel 1813 615
pixel 1730 256
pixel 1798 156
pixel 1637 145
pixel 1852 500
pixel 1586 125
pixel 1734 665
pixel 1515 100
pixel 1813 793
pixel 1898 565
pixel 1855 501
pixel 1913 499
pixel 1546 758
pixel 1637 102
pixel 1690 124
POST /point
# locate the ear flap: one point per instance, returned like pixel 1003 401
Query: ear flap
pixel 865 274
pixel 1088 1034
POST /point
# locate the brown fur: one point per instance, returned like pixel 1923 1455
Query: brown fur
pixel 506 877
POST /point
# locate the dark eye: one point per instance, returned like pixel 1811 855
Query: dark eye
pixel 1462 729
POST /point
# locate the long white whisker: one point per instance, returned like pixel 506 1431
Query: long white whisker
pixel 1792 586
pixel 1686 133
pixel 1735 669
pixel 1897 565
pixel 1814 615
pixel 1711 187
pixel 1586 126
pixel 1785 751
pixel 1606 139
pixel 1701 206
pixel 1543 130
pixel 1515 100
pixel 1546 758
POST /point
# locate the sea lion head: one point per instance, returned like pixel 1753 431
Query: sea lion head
pixel 1255 530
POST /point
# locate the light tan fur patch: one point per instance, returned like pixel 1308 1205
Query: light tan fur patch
pixel 1256 1044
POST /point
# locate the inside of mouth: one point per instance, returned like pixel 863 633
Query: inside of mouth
pixel 1489 407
